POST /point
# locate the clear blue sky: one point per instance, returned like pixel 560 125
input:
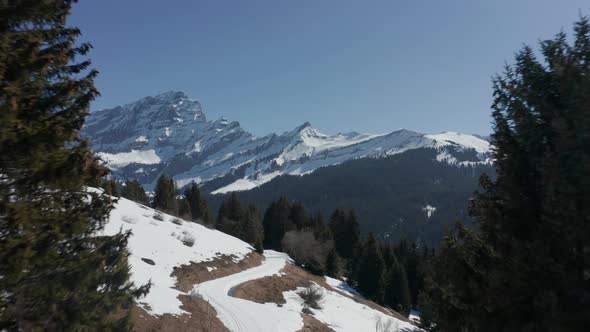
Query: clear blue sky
pixel 369 66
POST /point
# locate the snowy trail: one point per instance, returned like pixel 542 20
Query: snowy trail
pixel 240 315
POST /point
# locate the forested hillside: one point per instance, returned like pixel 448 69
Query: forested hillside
pixel 409 195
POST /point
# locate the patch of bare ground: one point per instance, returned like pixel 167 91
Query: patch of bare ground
pixel 271 288
pixel 202 317
pixel 195 273
pixel 311 324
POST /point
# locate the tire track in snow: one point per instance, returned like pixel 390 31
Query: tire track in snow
pixel 240 315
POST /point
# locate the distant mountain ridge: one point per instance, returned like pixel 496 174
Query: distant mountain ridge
pixel 170 134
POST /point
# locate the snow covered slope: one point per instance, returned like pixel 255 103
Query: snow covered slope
pixel 169 133
pixel 162 244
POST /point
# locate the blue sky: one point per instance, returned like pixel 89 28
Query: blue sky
pixel 370 66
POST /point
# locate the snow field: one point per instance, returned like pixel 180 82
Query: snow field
pixel 161 241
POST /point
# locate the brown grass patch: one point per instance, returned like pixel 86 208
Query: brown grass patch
pixel 195 273
pixel 202 318
pixel 271 288
pixel 311 324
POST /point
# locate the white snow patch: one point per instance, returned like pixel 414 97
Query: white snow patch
pixel 117 160
pixel 429 209
pixel 153 239
pixel 468 141
pixel 247 184
pixel 341 286
pixel 343 314
pixel 141 139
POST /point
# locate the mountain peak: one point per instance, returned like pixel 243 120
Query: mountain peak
pixel 306 124
pixel 171 95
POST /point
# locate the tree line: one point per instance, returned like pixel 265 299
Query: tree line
pixel 392 275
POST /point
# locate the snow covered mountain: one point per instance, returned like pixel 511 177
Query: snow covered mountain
pixel 169 133
pixel 205 280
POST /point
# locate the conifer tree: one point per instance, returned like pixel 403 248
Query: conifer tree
pixel 276 223
pixel 333 264
pixel 397 292
pixel 297 215
pixel 134 191
pixel 230 215
pixel 199 208
pixel 184 209
pixel 371 271
pixel 56 272
pixel 526 266
pixel 251 226
pixel 345 230
pixel 111 187
pixel 165 195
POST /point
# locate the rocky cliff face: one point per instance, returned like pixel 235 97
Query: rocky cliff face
pixel 169 133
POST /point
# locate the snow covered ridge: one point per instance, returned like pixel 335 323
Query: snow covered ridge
pixel 160 242
pixel 169 133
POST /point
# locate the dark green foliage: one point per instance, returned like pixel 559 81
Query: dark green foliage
pixel 526 268
pixel 243 223
pixel 199 209
pixel 397 290
pixel 133 190
pixel 346 233
pixel 333 264
pixel 165 195
pixel 297 215
pixel 111 187
pixel 276 223
pixel 250 227
pixel 229 216
pixel 184 209
pixel 56 274
pixel 371 271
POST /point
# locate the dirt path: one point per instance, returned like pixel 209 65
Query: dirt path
pixel 241 315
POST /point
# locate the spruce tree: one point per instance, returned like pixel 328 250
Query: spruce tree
pixel 276 223
pixel 397 292
pixel 230 215
pixel 526 266
pixel 333 264
pixel 133 190
pixel 165 195
pixel 199 208
pixel 297 215
pixel 56 272
pixel 371 271
pixel 184 209
pixel 111 187
pixel 345 230
pixel 251 226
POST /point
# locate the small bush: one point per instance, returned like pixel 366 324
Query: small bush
pixel 177 221
pixel 159 216
pixel 188 240
pixel 312 295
